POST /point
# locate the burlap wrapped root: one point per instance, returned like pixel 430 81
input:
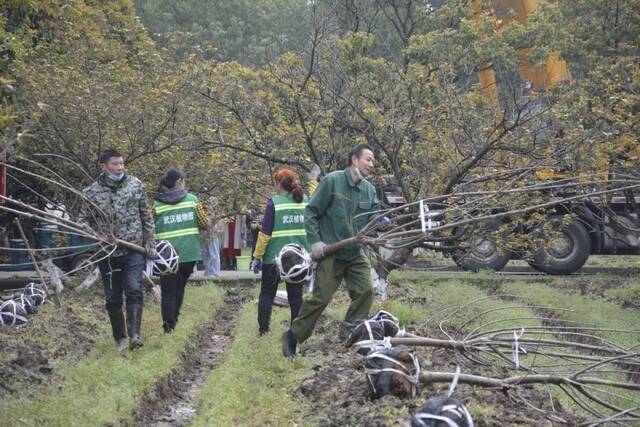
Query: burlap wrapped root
pixel 392 371
pixel 369 334
pixel 442 411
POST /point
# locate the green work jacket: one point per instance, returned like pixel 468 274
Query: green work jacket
pixel 178 223
pixel 331 214
pixel 288 226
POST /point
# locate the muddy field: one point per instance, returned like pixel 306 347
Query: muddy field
pixel 172 402
pixel 29 354
pixel 334 390
pixel 339 392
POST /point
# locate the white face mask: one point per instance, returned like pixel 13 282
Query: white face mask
pixel 358 173
pixel 116 177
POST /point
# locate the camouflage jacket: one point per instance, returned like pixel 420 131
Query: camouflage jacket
pixel 120 212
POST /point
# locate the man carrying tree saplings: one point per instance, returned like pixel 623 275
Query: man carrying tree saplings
pixel 118 206
pixel 330 217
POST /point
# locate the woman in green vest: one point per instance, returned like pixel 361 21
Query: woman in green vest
pixel 179 218
pixel 283 223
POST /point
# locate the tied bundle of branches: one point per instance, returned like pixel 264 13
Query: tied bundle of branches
pixel 597 374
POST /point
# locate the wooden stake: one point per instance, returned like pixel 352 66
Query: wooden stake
pixel 53 297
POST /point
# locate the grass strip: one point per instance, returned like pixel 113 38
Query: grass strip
pixel 592 310
pixel 104 387
pixel 254 385
pixel 585 310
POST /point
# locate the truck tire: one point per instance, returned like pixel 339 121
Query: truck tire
pixel 564 252
pixel 83 262
pixel 484 254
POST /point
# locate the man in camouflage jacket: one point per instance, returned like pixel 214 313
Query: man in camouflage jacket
pixel 117 207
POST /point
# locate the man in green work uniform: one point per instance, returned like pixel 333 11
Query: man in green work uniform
pixel 342 205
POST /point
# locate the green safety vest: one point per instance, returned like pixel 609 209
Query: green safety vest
pixel 179 225
pixel 288 226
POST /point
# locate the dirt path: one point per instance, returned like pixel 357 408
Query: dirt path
pixel 174 400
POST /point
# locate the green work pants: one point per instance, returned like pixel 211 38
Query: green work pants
pixel 329 274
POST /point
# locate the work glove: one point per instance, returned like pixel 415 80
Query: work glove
pixel 150 250
pixel 383 223
pixel 256 265
pixel 317 250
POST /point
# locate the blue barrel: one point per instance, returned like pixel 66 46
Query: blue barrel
pixel 19 257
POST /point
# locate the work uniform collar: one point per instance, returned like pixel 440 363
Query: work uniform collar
pixel 347 173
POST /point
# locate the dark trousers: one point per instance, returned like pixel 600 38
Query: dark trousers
pixel 122 274
pixel 172 292
pixel 268 288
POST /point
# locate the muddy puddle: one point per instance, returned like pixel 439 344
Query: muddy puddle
pixel 174 399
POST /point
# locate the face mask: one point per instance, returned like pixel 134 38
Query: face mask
pixel 116 177
pixel 358 173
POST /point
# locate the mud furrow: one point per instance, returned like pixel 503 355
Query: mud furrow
pixel 173 401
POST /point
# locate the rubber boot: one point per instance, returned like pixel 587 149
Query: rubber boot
pixel 288 344
pixel 134 318
pixel 118 328
pixel 167 328
pixel 345 331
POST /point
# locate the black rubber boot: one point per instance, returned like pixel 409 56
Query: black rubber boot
pixel 134 319
pixel 167 328
pixel 288 344
pixel 118 328
pixel 345 331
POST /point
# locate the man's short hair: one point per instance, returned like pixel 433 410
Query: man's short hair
pixel 357 151
pixel 108 154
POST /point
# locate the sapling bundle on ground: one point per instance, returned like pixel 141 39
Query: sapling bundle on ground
pixel 12 313
pixel 443 410
pixel 392 371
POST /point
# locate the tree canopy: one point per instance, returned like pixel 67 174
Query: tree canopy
pixel 230 91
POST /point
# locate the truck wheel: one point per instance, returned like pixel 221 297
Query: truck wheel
pixel 484 254
pixel 565 250
pixel 83 263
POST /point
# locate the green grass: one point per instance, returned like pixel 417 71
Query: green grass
pixel 628 295
pixel 423 295
pixel 585 310
pixel 104 386
pixel 255 383
pixel 613 261
pixel 591 311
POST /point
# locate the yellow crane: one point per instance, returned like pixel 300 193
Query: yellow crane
pixel 603 226
pixel 541 76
